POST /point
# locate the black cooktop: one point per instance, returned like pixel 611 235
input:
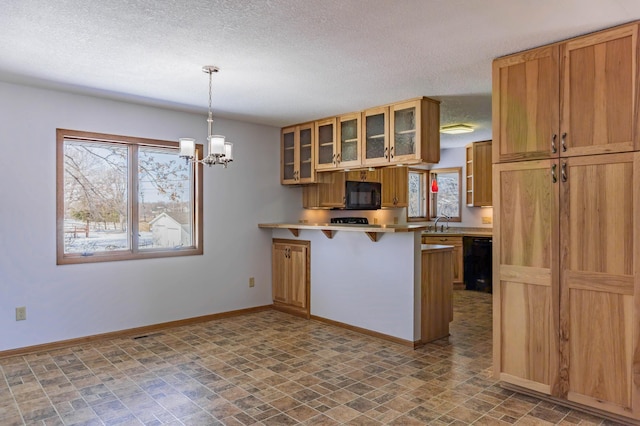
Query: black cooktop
pixel 350 220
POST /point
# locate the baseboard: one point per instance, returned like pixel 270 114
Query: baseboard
pixel 570 404
pixel 368 332
pixel 128 332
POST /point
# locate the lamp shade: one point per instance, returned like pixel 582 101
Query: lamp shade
pixel 216 144
pixel 187 147
pixel 228 151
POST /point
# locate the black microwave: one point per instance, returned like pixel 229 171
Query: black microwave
pixel 362 195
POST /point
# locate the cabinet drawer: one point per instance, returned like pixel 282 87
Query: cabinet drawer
pixel 445 240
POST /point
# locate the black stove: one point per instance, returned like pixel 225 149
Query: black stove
pixel 350 220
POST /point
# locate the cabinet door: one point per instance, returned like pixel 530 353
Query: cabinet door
pixel 306 168
pixel 479 193
pixel 525 274
pixel 405 130
pixel 600 92
pixel 458 258
pixel 298 276
pixel 288 156
pixel 331 187
pixel 375 136
pixel 600 325
pixel 526 99
pixel 326 156
pixel 395 187
pixel 280 276
pixel 349 127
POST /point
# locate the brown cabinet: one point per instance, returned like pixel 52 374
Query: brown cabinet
pixel 363 175
pixel 598 115
pixel 327 154
pixel 436 293
pixel 479 174
pixel 328 192
pixel 402 133
pixel 395 186
pixel 458 258
pixel 290 276
pixel 566 264
pixel 349 140
pixel 296 155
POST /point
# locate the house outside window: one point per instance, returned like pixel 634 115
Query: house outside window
pixel 124 198
pixel 417 209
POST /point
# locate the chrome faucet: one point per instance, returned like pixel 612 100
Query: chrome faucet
pixel 435 225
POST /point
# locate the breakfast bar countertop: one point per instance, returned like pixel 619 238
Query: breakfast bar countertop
pixel 346 227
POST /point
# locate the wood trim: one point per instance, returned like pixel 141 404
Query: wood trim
pixel 570 404
pixel 529 384
pixel 328 233
pixel 368 332
pixel 129 332
pixel 373 236
pixel 294 231
pixel 292 310
pixel 525 274
pixel 598 281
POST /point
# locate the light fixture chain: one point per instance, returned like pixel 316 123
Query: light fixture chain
pixel 210 86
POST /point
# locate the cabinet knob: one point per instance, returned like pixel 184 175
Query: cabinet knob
pixel 563 171
pixel 563 140
pixel 386 150
pixel 554 177
pixel 554 149
pixel 391 151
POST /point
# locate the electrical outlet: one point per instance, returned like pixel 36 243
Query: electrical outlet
pixel 21 313
pixel 375 220
pixel 487 219
pixel 395 220
pixel 252 282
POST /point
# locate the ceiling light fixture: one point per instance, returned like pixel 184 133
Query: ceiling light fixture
pixel 456 129
pixel 220 152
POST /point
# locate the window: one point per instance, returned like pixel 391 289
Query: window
pixel 417 209
pixel 448 199
pixel 125 198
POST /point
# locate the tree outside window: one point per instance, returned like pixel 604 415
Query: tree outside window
pixel 125 198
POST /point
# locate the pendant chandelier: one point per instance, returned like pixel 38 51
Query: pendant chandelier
pixel 219 151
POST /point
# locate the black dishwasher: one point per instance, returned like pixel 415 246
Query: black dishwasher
pixel 477 263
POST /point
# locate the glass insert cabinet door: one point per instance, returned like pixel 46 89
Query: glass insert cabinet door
pixel 405 131
pixel 297 154
pixel 305 156
pixel 288 154
pixel 349 140
pixel 376 136
pixel 326 156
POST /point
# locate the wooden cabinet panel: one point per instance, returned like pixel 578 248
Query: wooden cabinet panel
pixel 436 294
pixel 526 103
pixel 458 255
pixel 526 285
pixel 290 276
pixel 600 92
pixel 349 140
pixel 395 186
pixel 326 144
pixel 598 323
pixel 479 179
pixel 296 155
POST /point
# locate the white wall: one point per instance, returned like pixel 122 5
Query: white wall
pixel 71 301
pixel 471 216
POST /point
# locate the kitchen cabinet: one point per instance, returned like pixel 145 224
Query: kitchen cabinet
pixel 327 153
pixel 290 276
pixel 373 175
pixel 479 190
pixel 395 186
pixel 598 115
pixel 566 265
pixel 349 140
pixel 436 288
pixel 457 258
pixel 296 155
pixel 327 192
pixel 402 133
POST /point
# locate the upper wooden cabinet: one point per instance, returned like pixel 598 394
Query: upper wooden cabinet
pixel 395 186
pixel 349 140
pixel 405 132
pixel 296 154
pixel 479 180
pixel 364 175
pixel 599 96
pixel 327 154
pixel 328 192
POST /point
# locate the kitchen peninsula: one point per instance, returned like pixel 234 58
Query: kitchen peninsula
pixel 375 284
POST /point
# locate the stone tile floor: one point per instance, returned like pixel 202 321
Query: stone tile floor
pixel 270 368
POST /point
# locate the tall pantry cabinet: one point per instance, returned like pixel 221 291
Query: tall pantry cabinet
pixel 567 221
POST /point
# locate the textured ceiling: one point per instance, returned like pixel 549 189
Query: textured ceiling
pixel 288 61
